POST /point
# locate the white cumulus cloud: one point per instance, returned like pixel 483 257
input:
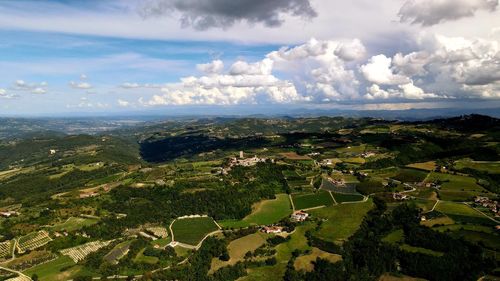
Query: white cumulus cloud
pixel 431 12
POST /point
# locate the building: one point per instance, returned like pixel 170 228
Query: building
pixel 272 229
pixel 299 216
pixel 400 196
pixel 8 214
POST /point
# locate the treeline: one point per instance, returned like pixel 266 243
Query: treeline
pixel 418 147
pixel 154 150
pixel 34 188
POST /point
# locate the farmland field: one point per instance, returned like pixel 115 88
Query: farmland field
pixel 487 166
pixel 192 230
pixel 342 220
pixel 51 271
pixel 238 248
pixel 305 262
pixel 284 253
pixel 341 197
pixel 33 241
pixel 410 175
pixel 310 200
pixel 463 213
pixel 452 208
pixel 80 252
pixel 263 213
pixel 347 188
pixel 456 187
pixel 74 223
pixel 118 252
pixel 426 166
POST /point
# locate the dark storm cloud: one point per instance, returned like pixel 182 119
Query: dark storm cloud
pixel 431 12
pixel 205 14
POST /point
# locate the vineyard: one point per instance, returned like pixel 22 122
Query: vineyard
pixel 79 253
pixel 5 248
pixel 33 241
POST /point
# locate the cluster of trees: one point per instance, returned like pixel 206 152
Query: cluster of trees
pixel 365 256
pixel 37 187
pixel 198 265
pixel 159 204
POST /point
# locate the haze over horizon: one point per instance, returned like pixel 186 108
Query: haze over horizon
pixel 62 57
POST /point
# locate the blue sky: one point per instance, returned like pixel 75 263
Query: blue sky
pixel 62 57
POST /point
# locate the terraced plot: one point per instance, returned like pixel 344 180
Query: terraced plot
pixel 74 223
pixel 6 248
pixel 33 241
pixel 192 230
pixel 264 213
pixel 118 252
pixel 303 201
pixel 79 253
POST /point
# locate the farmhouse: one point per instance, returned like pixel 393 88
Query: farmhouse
pixel 492 205
pixel 8 214
pixel 88 195
pixel 272 229
pixel 400 196
pixel 299 216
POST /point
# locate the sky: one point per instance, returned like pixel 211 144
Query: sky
pixel 62 57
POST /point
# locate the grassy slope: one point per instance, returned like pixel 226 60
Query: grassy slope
pixel 192 230
pixel 311 200
pixel 284 253
pixel 342 220
pixel 50 271
pixel 264 212
pixel 305 262
pixel 238 248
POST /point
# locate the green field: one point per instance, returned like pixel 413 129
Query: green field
pixel 456 187
pixel 263 213
pixel 342 197
pixel 238 248
pixel 412 249
pixel 463 213
pixel 141 258
pixel 410 175
pixel 306 262
pixel 452 208
pixel 310 200
pixel 341 220
pixel 192 230
pixel 74 223
pixel 284 252
pixel 486 166
pixel 51 270
pixel 426 166
pixel 394 237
